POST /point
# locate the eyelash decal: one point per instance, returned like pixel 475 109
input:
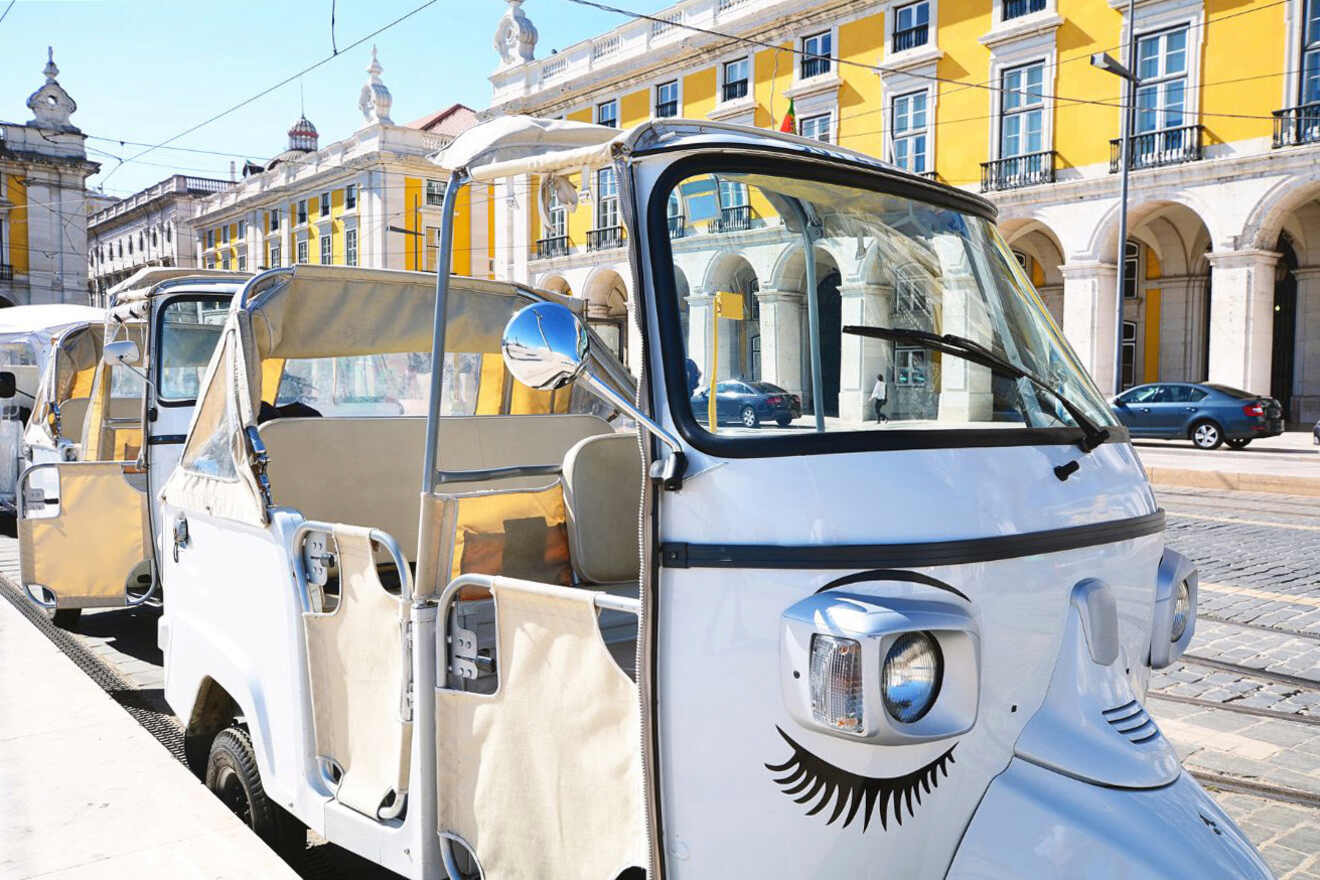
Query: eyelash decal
pixel 816 777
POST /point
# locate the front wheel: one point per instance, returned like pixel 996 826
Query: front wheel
pixel 231 774
pixel 1207 435
pixel 1238 442
pixel 749 417
pixel 785 421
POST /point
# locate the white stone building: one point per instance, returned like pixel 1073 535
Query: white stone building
pixel 43 201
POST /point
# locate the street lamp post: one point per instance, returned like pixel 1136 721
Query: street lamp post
pixel 1103 61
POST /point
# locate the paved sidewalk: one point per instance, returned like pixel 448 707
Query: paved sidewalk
pixel 1288 464
pixel 88 793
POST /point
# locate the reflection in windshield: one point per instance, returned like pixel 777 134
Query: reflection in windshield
pixel 190 330
pixel 769 270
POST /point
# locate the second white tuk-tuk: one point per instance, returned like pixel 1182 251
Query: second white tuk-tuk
pixel 108 423
pixel 614 639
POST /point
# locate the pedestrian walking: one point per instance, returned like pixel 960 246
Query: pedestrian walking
pixel 693 376
pixel 878 396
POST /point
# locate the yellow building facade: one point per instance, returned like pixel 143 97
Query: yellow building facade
pixel 1001 97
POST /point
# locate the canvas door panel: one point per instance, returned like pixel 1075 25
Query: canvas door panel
pixel 86 553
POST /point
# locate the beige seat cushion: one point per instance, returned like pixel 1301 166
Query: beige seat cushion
pixel 603 496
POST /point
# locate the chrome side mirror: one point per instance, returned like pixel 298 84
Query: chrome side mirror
pixel 546 346
pixel 121 351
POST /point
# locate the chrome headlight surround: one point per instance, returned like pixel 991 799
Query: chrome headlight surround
pixel 866 627
pixel 1175 571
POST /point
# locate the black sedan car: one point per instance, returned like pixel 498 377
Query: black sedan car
pixel 747 403
pixel 1205 413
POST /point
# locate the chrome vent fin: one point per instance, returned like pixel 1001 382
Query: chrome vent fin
pixel 1132 721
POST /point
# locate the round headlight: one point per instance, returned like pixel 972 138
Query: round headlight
pixel 1182 609
pixel 910 677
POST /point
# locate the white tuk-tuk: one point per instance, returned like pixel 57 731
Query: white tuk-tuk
pixel 619 638
pixel 85 509
pixel 26 334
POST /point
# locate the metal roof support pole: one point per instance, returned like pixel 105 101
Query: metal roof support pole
pixel 457 180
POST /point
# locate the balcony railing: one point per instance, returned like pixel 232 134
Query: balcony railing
pixel 554 246
pixel 677 225
pixel 929 175
pixel 735 219
pixel 1297 125
pixel 605 238
pixel 735 90
pixel 1015 172
pixel 1169 146
pixel 666 109
pixel 6 272
pixel 1017 8
pixel 911 38
pixel 815 65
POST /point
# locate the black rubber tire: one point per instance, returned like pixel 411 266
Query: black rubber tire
pixel 1211 438
pixel 1238 442
pixel 749 418
pixel 232 776
pixel 783 421
pixel 65 618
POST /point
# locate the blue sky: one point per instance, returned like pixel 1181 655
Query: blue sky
pixel 145 71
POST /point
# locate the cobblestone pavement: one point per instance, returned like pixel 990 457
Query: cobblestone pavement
pixel 1243 706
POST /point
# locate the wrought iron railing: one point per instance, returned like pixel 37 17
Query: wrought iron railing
pixel 815 65
pixel 911 38
pixel 929 175
pixel 665 109
pixel 677 225
pixel 735 219
pixel 1018 8
pixel 735 90
pixel 1014 172
pixel 6 272
pixel 1297 125
pixel 554 246
pixel 1151 149
pixel 605 238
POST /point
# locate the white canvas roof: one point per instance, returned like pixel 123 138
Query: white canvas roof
pixel 46 319
pixel 140 284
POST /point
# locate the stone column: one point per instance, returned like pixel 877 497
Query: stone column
pixel 1088 317
pixel 861 359
pixel 781 338
pixel 1306 391
pixel 1182 328
pixel 1242 318
pixel 701 310
pixel 965 388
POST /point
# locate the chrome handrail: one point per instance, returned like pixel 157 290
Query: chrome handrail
pixel 384 539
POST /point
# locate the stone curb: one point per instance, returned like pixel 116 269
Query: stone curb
pixel 1245 482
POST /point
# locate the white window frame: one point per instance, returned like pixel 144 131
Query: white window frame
pixel 429 185
pixel 928 51
pixel 274 224
pixel 1039 47
pixel 351 246
pixel 603 200
pixel 351 194
pixel 1043 107
pixel 224 233
pixel 274 254
pixel 302 250
pixel 1158 81
pixel 327 249
pixel 612 102
pixel 677 82
pixel 556 219
pixel 831 55
pixel 926 130
pixel 931 24
pixel 325 203
pixel 998 22
pixel 828 116
pixel 1294 55
pixel 242 262
pixel 302 212
pixel 749 78
pixel 1161 15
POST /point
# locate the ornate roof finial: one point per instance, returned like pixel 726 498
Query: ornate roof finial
pixel 51 106
pixel 375 99
pixel 515 37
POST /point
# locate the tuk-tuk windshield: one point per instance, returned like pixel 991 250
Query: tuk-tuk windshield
pixel 189 330
pixel 744 289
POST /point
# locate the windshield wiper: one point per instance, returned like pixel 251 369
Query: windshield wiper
pixel 962 347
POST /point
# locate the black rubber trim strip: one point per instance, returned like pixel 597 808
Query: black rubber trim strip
pixel 891 574
pixel 908 555
pixel 166 439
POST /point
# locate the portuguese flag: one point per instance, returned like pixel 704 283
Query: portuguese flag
pixel 789 125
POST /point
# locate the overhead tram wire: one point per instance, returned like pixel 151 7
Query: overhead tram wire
pixel 264 92
pixel 6 12
pixel 874 68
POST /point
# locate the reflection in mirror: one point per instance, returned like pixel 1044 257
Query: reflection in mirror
pixel 121 351
pixel 545 346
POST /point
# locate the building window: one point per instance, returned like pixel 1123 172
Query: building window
pixel 325 250
pixel 121 246
pixel 302 210
pixel 169 235
pixel 1311 53
pixel 735 79
pixel 1018 8
pixel 242 229
pixel 350 247
pixel 350 197
pixel 1022 108
pixel 816 54
pixel 242 262
pixel 556 220
pixel 910 367
pixel 1129 371
pixel 435 193
pixel 816 127
pixel 274 258
pixel 302 250
pixel 224 234
pixel 325 204
pixel 1131 269
pixel 910 131
pixel 224 262
pixel 607 199
pixel 1162 68
pixel 130 246
pixel 274 219
pixel 154 240
pixel 210 241
pixel 607 114
pixel 911 26
pixel 666 99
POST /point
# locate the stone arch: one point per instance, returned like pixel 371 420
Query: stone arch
pixel 606 294
pixel 1181 210
pixel 1044 254
pixel 1270 215
pixel 555 283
